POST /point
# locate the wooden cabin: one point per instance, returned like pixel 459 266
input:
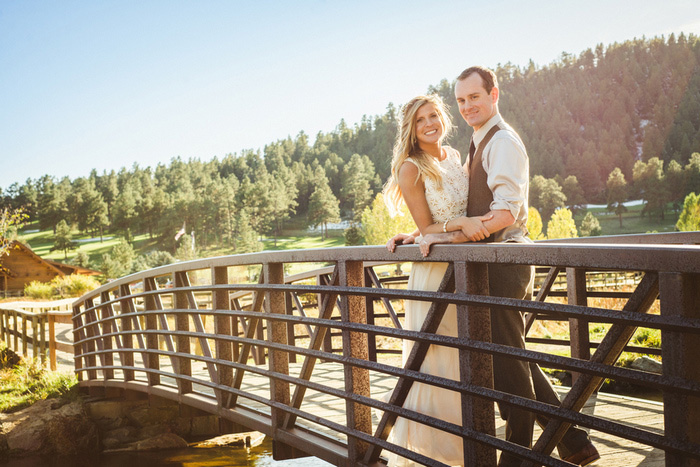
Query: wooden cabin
pixel 21 265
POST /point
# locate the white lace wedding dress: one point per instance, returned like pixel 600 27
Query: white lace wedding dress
pixel 446 203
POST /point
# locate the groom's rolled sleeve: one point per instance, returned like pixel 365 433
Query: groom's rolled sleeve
pixel 507 166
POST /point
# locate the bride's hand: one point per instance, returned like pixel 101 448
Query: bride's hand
pixel 473 227
pixel 426 243
pixel 399 239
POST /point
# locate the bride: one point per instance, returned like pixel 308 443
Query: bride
pixel 428 176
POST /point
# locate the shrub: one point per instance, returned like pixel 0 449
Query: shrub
pixel 36 289
pixel 74 285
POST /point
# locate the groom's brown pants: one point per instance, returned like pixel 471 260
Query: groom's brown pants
pixel 517 376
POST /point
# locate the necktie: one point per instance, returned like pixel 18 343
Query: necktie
pixel 472 150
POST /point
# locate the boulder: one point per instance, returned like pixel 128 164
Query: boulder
pixel 162 441
pixel 648 364
pixel 49 429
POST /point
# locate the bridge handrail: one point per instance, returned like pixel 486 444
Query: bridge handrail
pixel 108 327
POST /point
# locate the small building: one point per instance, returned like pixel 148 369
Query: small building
pixel 21 265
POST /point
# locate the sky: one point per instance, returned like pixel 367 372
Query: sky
pixel 99 84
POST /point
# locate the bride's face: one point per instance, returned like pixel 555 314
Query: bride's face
pixel 429 128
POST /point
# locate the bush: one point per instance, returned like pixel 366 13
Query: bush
pixel 36 289
pixel 74 285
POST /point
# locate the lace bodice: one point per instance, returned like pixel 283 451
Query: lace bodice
pixel 450 201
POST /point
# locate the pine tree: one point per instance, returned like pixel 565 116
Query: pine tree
pixel 590 227
pixel 689 219
pixel 323 206
pixel 63 240
pixel 617 193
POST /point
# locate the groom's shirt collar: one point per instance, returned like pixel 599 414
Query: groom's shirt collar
pixel 479 135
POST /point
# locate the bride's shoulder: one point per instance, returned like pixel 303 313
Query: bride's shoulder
pixel 452 152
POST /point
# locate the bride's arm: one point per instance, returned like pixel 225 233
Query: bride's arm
pixel 481 227
pixel 413 191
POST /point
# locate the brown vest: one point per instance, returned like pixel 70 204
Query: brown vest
pixel 480 195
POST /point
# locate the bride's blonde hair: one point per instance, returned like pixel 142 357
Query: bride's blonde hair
pixel 406 146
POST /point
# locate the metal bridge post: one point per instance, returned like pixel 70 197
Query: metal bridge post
pixel 275 303
pixel 222 326
pixel 182 343
pixel 152 303
pixel 578 328
pixel 352 310
pixel 474 323
pixel 680 297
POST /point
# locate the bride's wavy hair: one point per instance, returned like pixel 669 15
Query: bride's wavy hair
pixel 406 146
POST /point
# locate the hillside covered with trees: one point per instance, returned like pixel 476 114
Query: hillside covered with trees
pixel 614 123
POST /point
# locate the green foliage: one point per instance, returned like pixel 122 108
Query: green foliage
pixel 39 290
pixel 590 227
pixel 64 239
pixel 74 285
pixel 81 259
pixel 28 382
pixel 119 261
pixel 534 224
pixel 617 192
pixel 323 205
pixel 649 180
pixel 9 219
pixel 561 225
pixel 378 226
pixel 353 236
pixel 546 195
pixel 689 219
pixel 152 260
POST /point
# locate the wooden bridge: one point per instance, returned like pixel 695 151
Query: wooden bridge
pixel 305 358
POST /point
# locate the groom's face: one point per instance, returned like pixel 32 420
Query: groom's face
pixel 475 104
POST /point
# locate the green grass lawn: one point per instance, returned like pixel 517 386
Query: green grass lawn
pixel 632 222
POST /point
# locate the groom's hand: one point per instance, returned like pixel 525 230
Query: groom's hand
pixel 473 227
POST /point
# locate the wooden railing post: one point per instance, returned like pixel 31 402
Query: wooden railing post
pixel 680 297
pixel 108 325
pixel 52 342
pixel 578 328
pixel 474 323
pixel 352 310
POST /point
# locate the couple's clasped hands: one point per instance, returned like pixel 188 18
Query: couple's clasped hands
pixel 472 228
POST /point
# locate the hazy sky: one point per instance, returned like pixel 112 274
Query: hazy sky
pixel 104 84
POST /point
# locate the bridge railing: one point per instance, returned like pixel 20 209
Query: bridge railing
pixel 29 328
pixel 182 342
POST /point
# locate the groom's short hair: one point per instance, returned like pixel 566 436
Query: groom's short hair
pixel 487 76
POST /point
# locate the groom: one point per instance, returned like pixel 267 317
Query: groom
pixel 498 184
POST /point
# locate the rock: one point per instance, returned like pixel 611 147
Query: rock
pixel 648 364
pixel 163 441
pixel 38 429
pixel 152 430
pixel 119 436
pixel 249 440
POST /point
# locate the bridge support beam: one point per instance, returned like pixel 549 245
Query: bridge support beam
pixel 680 297
pixel 352 309
pixel 475 368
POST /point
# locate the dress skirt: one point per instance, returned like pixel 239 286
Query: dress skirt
pixel 424 398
